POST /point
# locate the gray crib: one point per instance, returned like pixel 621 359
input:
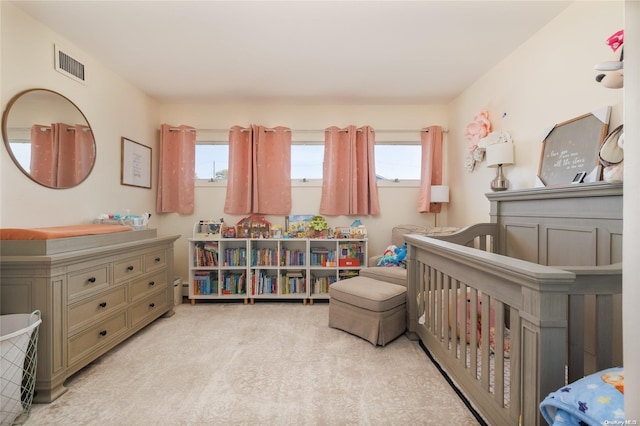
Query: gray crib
pixel 501 313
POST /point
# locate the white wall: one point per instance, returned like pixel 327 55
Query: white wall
pixel 113 108
pixel 548 80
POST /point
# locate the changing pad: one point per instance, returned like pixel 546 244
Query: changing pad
pixel 53 232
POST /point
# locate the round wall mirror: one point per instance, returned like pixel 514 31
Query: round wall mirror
pixel 48 138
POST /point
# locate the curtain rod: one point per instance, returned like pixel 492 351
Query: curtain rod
pixel 444 130
pixel 44 128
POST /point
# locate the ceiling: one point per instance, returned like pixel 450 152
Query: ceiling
pixel 311 52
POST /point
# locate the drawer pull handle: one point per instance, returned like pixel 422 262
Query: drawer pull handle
pixel 130 268
pixel 103 304
pixel 152 305
pixel 92 279
pixel 103 333
pixel 152 283
pixel 157 259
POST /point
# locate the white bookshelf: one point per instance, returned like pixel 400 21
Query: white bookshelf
pixel 285 268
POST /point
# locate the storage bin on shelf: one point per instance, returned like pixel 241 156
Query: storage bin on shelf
pixel 18 357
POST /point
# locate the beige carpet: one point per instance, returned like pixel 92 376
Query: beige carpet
pixel 262 364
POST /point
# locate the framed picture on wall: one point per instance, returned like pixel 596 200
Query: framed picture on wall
pixel 135 169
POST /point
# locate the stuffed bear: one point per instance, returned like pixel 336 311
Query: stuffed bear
pixel 612 76
pixel 611 153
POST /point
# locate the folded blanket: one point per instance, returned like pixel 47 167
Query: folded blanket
pixel 596 399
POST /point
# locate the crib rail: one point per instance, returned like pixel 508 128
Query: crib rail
pixel 531 299
pixel 516 352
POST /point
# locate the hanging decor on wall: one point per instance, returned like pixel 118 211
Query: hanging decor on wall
pixel 135 164
pixel 477 129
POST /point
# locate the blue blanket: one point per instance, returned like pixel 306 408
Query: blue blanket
pixel 596 399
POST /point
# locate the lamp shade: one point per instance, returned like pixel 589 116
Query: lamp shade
pixel 439 194
pixel 499 154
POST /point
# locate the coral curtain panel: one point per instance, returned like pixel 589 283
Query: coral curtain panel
pixel 431 173
pixel 176 171
pixel 259 179
pixel 61 154
pixel 44 155
pixel 349 184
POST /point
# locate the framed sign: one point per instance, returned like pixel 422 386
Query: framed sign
pixel 572 147
pixel 135 164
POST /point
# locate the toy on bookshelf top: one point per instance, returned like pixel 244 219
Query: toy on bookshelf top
pixel 253 226
pixel 356 231
pixel 208 228
pixel 297 225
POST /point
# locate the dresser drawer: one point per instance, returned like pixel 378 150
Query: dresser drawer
pixel 150 306
pixel 98 335
pixel 87 281
pixel 97 306
pixel 127 268
pixel 155 260
pixel 143 286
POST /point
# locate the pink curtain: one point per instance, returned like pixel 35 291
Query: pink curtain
pixel 85 151
pixel 431 174
pixel 176 171
pixel 44 155
pixel 349 184
pixel 61 155
pixel 259 179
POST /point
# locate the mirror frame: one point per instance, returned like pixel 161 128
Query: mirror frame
pixel 5 136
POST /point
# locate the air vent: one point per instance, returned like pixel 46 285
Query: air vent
pixel 69 66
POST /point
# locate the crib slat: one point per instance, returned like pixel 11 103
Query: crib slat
pixel 515 408
pixel 485 304
pixel 456 346
pixel 498 308
pixel 432 300
pixel 462 337
pixel 438 306
pixel 446 326
pixel 473 341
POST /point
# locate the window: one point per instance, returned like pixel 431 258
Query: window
pixel 306 161
pixel 398 161
pixel 212 160
pixel 394 161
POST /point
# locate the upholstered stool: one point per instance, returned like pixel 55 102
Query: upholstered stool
pixel 371 309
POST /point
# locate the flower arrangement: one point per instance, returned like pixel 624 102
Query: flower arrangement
pixel 475 131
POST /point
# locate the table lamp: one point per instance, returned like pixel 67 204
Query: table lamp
pixel 439 194
pixel 498 155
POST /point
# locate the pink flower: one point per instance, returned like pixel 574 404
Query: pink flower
pixel 479 128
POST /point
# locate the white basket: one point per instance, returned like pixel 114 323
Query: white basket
pixel 18 359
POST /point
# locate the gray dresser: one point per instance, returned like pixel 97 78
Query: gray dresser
pixel 93 292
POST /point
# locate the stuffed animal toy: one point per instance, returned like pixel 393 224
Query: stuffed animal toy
pixel 612 76
pixel 393 256
pixel 611 153
pixel 401 254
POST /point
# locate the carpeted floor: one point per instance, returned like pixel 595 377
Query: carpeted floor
pixel 262 364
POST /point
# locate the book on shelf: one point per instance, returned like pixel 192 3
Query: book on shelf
pixel 322 257
pixel 264 283
pixel 349 273
pixel 206 254
pixel 205 283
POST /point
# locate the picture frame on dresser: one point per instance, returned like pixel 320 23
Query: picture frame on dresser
pixel 571 148
pixel 135 164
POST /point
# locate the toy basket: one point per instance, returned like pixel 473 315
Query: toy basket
pixel 18 359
